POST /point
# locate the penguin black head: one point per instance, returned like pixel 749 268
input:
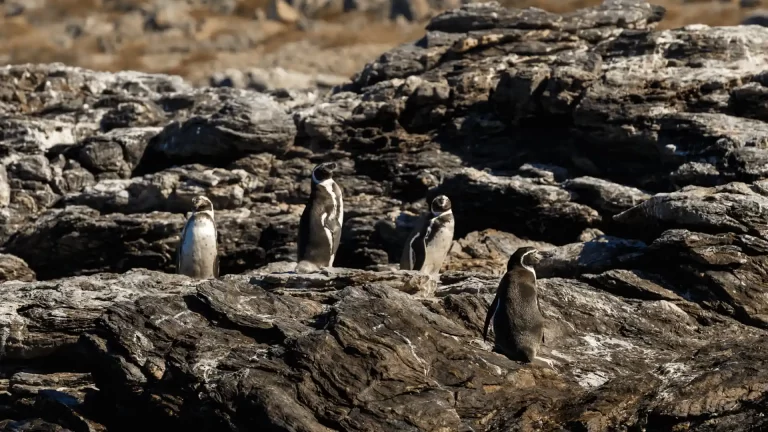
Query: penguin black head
pixel 323 172
pixel 526 256
pixel 201 203
pixel 440 204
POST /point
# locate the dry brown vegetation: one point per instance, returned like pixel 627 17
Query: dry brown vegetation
pixel 41 35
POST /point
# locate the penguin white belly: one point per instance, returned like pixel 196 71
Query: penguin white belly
pixel 329 235
pixel 198 249
pixel 437 250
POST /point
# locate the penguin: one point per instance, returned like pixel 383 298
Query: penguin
pixel 518 322
pixel 321 221
pixel 429 242
pixel 197 254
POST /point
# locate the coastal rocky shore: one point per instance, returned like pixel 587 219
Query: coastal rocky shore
pixel 633 158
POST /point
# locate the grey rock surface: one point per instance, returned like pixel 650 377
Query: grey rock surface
pixel 14 268
pixel 633 158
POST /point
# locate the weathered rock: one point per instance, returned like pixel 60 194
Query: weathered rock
pixel 529 207
pixel 41 318
pixel 486 252
pixel 596 255
pixel 309 360
pixel 262 79
pixel 77 240
pixel 735 207
pixel 633 158
pixel 606 197
pixel 30 426
pixel 14 268
pixel 244 123
pixel 63 398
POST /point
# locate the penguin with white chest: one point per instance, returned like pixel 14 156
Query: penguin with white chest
pixel 427 246
pixel 321 221
pixel 518 322
pixel 197 254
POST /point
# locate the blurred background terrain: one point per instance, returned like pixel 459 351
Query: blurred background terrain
pixel 260 44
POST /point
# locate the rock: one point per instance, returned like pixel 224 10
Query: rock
pixel 756 18
pixel 735 207
pixel 596 255
pixel 30 425
pixel 486 252
pixel 14 268
pixel 31 168
pixel 170 15
pixel 749 3
pixel 5 188
pixel 280 10
pixel 41 318
pixel 606 197
pixel 412 10
pixel 302 335
pixel 63 398
pixel 541 210
pixel 634 159
pixel 263 79
pixel 242 124
pixel 77 240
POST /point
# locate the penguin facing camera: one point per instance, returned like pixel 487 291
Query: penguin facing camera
pixel 197 254
pixel 427 246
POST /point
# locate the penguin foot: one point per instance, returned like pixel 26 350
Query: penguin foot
pixel 330 270
pixel 304 267
pixel 549 362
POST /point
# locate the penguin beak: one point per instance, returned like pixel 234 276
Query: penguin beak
pixel 537 257
pixel 198 204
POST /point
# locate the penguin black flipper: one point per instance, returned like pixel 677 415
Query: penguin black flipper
pixel 181 241
pixel 304 231
pixel 419 245
pixel 178 255
pixel 216 260
pixel 489 315
pixel 408 257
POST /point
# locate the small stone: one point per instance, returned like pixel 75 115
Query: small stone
pixel 282 11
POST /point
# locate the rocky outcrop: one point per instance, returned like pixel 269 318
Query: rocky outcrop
pixel 632 158
pixel 14 268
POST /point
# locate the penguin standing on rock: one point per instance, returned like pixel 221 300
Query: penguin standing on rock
pixel 429 242
pixel 197 254
pixel 320 224
pixel 518 323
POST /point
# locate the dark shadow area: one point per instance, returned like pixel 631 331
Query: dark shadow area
pixel 154 160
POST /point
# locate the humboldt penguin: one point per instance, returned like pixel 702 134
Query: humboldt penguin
pixel 320 223
pixel 429 242
pixel 197 254
pixel 518 323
